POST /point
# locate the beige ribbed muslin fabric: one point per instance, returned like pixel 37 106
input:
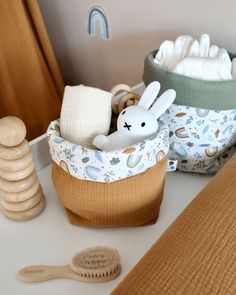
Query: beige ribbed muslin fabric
pixel 131 201
pixel 197 254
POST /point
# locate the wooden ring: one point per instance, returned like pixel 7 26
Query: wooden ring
pixel 125 98
pixel 21 196
pixel 129 103
pixel 16 165
pixel 119 88
pixel 16 152
pixel 115 109
pixel 17 175
pixel 115 90
pixel 18 186
pixel 24 205
pixel 27 214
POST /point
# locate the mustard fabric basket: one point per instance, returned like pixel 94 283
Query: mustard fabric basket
pixel 109 189
pixel 202 119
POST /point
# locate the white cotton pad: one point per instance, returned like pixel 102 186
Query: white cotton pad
pixel 193 50
pixel 171 53
pixel 213 51
pixel 223 54
pixel 234 68
pixel 204 45
pixel 182 44
pixel 85 113
pixel 164 53
pixel 210 69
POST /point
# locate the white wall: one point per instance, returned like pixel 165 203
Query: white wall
pixel 137 27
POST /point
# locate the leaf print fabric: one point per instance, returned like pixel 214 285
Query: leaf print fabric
pixel 201 140
pixel 93 165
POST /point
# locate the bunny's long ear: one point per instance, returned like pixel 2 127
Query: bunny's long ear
pixel 163 102
pixel 149 95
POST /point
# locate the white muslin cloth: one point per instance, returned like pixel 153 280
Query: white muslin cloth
pixel 85 113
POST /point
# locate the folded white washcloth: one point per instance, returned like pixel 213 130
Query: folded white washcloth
pixel 171 53
pixel 210 69
pixel 85 113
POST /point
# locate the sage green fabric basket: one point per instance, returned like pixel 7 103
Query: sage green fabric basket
pixel 202 119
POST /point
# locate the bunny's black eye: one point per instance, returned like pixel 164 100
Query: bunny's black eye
pixel 123 113
pixel 143 124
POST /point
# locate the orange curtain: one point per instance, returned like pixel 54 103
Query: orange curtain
pixel 31 86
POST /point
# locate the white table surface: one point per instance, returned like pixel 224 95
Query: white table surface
pixel 50 239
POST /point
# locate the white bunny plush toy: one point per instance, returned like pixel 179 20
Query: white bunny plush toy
pixel 136 123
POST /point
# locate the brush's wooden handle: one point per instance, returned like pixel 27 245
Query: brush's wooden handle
pixel 40 273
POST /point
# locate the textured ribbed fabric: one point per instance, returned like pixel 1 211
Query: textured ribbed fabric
pixel 197 253
pixel 131 201
pixel 213 95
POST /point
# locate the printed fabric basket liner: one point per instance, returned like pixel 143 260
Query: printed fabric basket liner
pixel 202 120
pixel 109 189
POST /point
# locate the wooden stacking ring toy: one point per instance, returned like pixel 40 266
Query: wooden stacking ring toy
pixel 21 196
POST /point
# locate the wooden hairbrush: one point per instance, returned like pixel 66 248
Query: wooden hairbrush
pixel 93 265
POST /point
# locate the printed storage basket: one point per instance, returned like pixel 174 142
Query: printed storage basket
pixel 202 120
pixel 105 189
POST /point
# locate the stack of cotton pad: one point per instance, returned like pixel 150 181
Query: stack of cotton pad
pixel 196 59
pixel 85 113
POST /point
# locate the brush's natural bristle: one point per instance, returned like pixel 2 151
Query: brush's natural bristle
pixel 96 262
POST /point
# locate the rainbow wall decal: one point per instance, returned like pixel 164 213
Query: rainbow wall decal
pixel 97 15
